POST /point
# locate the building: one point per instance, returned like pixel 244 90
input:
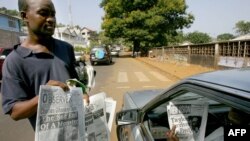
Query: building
pixel 70 35
pixel 88 35
pixel 10 30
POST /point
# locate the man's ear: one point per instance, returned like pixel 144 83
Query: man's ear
pixel 23 15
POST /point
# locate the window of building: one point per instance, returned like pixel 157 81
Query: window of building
pixel 12 23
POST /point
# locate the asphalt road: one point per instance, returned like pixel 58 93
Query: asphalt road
pixel 127 74
pixel 124 74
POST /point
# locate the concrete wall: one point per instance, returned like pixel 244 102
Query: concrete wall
pixel 234 54
pixel 9 38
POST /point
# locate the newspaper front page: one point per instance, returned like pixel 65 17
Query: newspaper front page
pixel 60 115
pixel 190 118
pixel 95 119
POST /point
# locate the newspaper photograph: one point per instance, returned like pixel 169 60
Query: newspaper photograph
pixel 190 118
pixel 95 119
pixel 110 111
pixel 59 115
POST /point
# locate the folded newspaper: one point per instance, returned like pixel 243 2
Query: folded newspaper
pixel 190 118
pixel 62 116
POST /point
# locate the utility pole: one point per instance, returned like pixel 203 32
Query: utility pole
pixel 70 13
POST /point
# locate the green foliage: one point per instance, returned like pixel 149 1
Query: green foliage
pixel 198 37
pixel 81 49
pixel 144 22
pixel 176 39
pixel 6 11
pixel 225 37
pixel 242 27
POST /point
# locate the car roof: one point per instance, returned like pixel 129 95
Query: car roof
pixel 233 78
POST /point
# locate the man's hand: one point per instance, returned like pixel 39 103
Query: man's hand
pixel 58 83
pixel 86 99
pixel 171 135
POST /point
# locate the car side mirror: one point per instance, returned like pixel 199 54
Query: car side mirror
pixel 127 117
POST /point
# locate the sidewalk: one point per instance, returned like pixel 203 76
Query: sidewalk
pixel 175 69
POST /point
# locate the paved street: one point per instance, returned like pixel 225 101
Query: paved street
pixel 125 74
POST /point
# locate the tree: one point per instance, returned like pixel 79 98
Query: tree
pixel 225 37
pixel 242 27
pixel 198 37
pixel 6 11
pixel 144 23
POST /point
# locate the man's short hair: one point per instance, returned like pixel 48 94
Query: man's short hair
pixel 22 5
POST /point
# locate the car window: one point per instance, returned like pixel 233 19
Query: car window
pixel 95 49
pixel 5 52
pixel 194 115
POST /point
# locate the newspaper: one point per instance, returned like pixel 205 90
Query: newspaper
pixel 95 119
pixel 59 115
pixel 110 111
pixel 190 118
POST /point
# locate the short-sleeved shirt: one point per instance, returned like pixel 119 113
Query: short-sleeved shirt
pixel 24 71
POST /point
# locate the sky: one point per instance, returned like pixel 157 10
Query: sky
pixel 213 17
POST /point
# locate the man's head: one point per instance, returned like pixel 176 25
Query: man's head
pixel 238 117
pixel 39 15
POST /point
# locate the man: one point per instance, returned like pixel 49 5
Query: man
pixel 39 60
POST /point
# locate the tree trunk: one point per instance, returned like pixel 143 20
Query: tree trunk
pixel 136 47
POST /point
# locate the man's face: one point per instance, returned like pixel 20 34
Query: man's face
pixel 40 17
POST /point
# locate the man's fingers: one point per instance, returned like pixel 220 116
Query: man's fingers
pixel 58 83
pixel 86 99
pixel 173 129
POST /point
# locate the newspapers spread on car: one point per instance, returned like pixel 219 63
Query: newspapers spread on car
pixel 110 111
pixel 190 118
pixel 95 119
pixel 60 115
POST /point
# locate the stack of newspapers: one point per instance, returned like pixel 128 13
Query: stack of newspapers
pixel 63 116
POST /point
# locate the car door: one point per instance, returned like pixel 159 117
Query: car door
pixel 199 110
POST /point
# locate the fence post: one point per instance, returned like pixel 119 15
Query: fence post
pixel 162 54
pixel 216 55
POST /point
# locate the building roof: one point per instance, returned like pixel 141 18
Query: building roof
pixel 243 37
pixel 16 17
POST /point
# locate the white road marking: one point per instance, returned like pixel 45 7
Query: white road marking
pixel 141 77
pixel 122 77
pixel 159 76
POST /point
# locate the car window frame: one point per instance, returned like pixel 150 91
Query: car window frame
pixel 219 95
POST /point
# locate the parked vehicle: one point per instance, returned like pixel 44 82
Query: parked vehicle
pixel 100 54
pixel 115 52
pixel 4 52
pixel 144 115
pixel 79 56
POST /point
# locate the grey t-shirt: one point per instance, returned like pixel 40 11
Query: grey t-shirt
pixel 24 72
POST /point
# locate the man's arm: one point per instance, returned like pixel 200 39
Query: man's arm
pixel 27 108
pixel 24 109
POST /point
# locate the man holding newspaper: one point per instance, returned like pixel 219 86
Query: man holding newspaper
pixel 39 60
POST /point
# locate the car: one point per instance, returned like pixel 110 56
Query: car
pixel 79 56
pixel 115 52
pixel 204 102
pixel 4 52
pixel 100 54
